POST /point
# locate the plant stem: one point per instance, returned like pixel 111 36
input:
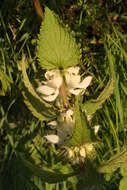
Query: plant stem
pixel 64 95
pixel 38 9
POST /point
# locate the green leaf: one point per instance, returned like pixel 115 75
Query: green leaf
pixel 123 184
pixel 38 109
pixel 123 171
pixel 56 46
pixel 27 83
pixel 119 160
pixel 111 60
pixel 47 174
pixel 118 100
pixel 5 83
pixel 91 106
pixel 82 133
pixel 35 104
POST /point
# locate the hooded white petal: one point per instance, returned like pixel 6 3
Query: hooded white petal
pixel 50 89
pixel 82 152
pixel 72 81
pixel 56 82
pixel 75 91
pixel 70 153
pixel 89 147
pixel 51 74
pixel 96 129
pixel 89 117
pixel 69 116
pixel 53 123
pixel 45 90
pixel 64 127
pixel 52 138
pixel 85 83
pixel 73 70
pixel 51 97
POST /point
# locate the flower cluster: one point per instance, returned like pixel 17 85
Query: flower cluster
pixel 64 127
pixel 50 89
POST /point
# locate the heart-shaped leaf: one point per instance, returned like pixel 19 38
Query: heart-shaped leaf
pixel 56 46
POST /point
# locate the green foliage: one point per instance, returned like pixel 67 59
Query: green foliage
pixel 115 162
pixel 35 104
pixel 56 46
pixel 123 171
pixel 91 106
pixel 95 24
pixel 90 178
pixel 82 132
pixel 15 174
pixel 123 183
pixel 47 174
pixel 5 81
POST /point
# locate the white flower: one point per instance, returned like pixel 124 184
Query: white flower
pixel 70 153
pixel 82 152
pixel 51 88
pixel 89 147
pixel 96 129
pixel 52 138
pixel 64 128
pixel 73 81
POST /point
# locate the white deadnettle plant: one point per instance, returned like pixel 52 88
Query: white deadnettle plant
pixel 64 128
pixel 65 123
pixel 50 89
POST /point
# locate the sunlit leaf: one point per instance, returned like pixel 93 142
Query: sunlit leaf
pixel 35 104
pixel 123 184
pixel 91 106
pixel 56 46
pixel 82 132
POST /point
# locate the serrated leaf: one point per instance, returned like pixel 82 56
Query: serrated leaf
pixel 46 174
pixel 91 106
pixel 27 83
pixel 56 46
pixel 82 132
pixel 36 108
pixel 35 104
pixel 123 184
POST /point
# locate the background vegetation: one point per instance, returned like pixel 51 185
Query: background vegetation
pixel 99 26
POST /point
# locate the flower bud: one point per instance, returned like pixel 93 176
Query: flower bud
pixel 70 153
pixel 82 152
